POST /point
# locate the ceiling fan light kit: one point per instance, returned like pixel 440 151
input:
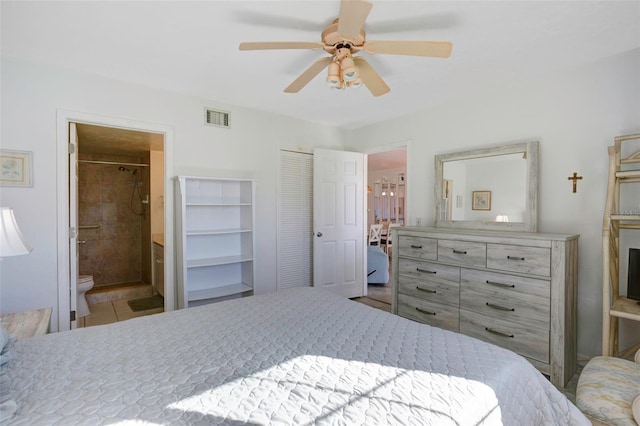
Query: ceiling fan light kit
pixel 344 38
pixel 333 78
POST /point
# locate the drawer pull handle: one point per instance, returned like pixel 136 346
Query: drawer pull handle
pixel 422 311
pixel 426 290
pixel 500 308
pixel 499 333
pixel 416 246
pixel 515 258
pixel 501 284
pixel 459 251
pixel 426 271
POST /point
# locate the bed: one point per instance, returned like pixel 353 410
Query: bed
pixel 297 356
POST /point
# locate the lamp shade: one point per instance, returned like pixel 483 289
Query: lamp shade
pixel 12 243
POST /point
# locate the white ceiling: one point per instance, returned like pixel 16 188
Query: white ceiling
pixel 113 141
pixel 192 47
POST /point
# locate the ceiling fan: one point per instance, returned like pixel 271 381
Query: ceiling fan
pixel 342 40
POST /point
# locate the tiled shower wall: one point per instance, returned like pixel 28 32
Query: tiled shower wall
pixel 113 251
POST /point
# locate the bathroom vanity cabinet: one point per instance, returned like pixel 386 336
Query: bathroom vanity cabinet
pixel 513 289
pixel 215 239
pixel 158 267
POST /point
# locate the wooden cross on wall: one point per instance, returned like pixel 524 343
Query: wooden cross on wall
pixel 575 178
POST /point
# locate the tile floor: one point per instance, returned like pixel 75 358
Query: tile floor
pixel 109 305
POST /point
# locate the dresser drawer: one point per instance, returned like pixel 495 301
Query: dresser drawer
pixel 527 341
pixel 527 260
pixel 510 298
pixel 438 315
pixel 427 270
pixel 462 252
pixel 420 247
pixel 430 288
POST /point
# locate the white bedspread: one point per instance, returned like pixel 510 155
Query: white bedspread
pixel 299 356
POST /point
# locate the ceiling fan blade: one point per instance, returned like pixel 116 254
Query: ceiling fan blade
pixel 270 45
pixel 353 13
pixel 308 75
pixel 435 49
pixel 260 19
pixel 370 77
pixel 422 22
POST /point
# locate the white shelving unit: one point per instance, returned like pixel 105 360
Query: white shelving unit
pixel 215 226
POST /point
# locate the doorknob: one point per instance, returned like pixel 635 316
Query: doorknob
pixel 319 234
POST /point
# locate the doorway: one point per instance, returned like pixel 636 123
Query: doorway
pixel 68 155
pixel 386 205
pixel 120 222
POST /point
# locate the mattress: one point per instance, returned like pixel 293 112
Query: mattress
pixel 297 356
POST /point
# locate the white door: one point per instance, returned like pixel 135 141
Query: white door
pixel 74 264
pixel 339 222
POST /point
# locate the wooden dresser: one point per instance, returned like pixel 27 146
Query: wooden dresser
pixel 516 290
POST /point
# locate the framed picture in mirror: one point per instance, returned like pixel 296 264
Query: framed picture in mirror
pixel 481 200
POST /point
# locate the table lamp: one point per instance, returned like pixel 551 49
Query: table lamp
pixel 12 243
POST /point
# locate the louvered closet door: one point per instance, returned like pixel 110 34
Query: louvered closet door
pixel 295 220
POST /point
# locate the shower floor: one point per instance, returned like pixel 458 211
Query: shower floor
pixel 108 304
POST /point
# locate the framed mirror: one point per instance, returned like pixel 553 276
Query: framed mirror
pixel 492 188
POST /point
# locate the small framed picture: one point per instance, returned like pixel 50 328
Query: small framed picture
pixel 481 200
pixel 15 168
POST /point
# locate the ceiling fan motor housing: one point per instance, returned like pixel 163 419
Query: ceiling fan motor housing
pixel 332 40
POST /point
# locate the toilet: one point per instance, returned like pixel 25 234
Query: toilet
pixel 85 283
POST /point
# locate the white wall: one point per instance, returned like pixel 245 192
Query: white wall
pixel 575 115
pixel 31 94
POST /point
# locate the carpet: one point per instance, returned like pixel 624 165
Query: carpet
pixel 144 304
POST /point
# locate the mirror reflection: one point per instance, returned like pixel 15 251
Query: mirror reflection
pixel 492 188
pixel 485 189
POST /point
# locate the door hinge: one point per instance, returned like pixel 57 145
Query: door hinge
pixel 72 232
pixel 72 148
pixel 72 315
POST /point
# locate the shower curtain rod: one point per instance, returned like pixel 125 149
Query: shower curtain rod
pixel 115 163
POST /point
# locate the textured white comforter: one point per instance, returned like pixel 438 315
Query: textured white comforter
pixel 299 356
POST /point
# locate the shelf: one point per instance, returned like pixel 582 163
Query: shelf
pixel 615 305
pixel 214 261
pixel 215 224
pixel 624 307
pixel 631 217
pixel 218 231
pixel 206 202
pixel 628 174
pixel 213 293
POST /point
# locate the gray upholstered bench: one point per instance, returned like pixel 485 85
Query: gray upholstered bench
pixel 609 391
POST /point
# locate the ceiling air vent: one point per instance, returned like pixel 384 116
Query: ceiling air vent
pixel 216 118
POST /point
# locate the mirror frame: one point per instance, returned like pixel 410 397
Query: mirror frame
pixel 530 223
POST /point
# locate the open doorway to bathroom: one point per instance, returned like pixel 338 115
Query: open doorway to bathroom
pixel 386 206
pixel 119 192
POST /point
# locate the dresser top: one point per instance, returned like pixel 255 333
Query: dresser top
pixel 484 233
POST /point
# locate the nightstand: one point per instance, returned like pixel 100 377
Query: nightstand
pixel 23 325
